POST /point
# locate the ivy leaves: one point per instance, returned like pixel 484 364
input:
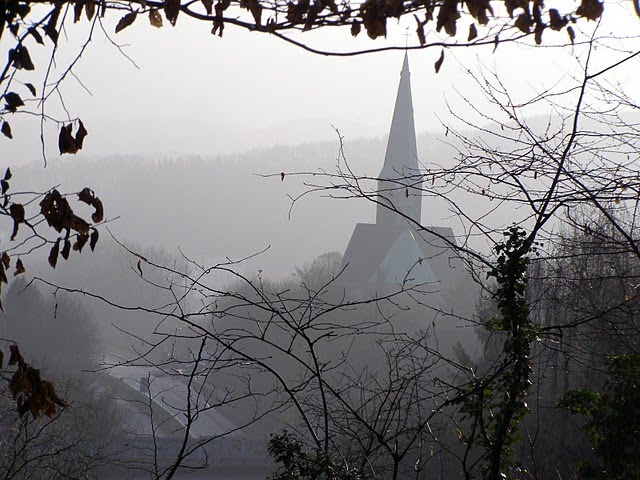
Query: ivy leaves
pixel 612 419
pixel 497 402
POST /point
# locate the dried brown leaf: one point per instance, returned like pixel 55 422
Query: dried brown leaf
pixel 420 30
pixel 94 239
pixel 36 35
pixel 126 21
pixel 66 142
pixel 295 11
pixel 30 392
pixel 50 28
pixel 479 9
pixel 17 213
pixel 66 249
pixel 88 196
pixel 473 32
pixel 375 23
pixel 171 10
pixel 81 241
pixel 78 224
pixel 538 33
pixel 13 101
pixel 80 135
pixel 256 10
pixel 19 268
pixel 448 16
pixel 6 130
pixel 155 19
pixel 53 254
pixel 77 10
pixel 524 22
pixel 591 9
pixel 355 28
pixel 21 58
pixel 6 260
pixel 89 10
pixel 56 210
pixel 556 21
pixel 438 63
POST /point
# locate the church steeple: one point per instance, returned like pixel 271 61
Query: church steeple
pixel 399 181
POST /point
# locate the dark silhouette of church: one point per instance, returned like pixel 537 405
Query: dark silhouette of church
pixel 398 249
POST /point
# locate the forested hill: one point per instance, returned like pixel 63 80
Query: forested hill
pixel 219 206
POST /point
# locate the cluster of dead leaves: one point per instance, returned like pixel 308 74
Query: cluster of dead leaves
pixel 528 16
pixel 59 215
pixel 67 142
pixel 171 10
pixel 29 391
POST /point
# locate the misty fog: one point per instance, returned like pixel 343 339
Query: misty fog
pixel 217 315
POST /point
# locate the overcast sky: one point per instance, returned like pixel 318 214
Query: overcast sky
pixel 196 93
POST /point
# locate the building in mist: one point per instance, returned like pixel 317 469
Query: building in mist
pixel 399 250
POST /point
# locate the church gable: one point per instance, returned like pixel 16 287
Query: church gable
pixel 367 247
pixel 404 263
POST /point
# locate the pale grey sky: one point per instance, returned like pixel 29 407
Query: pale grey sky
pixel 195 93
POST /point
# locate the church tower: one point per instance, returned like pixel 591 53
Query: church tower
pixel 396 249
pixel 402 256
pixel 400 181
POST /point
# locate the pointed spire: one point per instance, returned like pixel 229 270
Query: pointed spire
pixel 401 147
pixel 401 159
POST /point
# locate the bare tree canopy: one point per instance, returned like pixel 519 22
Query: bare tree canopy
pixel 355 385
pixel 511 17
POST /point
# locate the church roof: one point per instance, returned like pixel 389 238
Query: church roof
pixel 370 245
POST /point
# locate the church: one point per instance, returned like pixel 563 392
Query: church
pixel 398 250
